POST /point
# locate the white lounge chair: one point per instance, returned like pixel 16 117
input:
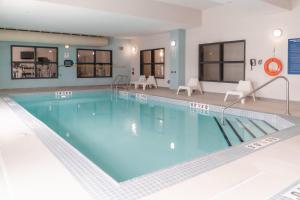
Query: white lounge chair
pixel 151 81
pixel 192 86
pixel 243 88
pixel 141 80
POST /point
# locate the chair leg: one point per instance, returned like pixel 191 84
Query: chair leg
pixel 226 96
pixel 144 87
pixel 243 100
pixel 178 91
pixel 254 99
pixel 200 90
pixel 189 91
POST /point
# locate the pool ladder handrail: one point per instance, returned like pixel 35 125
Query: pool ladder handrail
pixel 259 88
pixel 116 81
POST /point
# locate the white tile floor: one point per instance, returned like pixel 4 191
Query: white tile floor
pixel 32 172
pixel 260 175
pixel 3 187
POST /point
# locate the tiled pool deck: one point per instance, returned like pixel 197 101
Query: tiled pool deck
pixel 261 105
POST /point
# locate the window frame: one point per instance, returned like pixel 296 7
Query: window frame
pixel 95 63
pixel 221 62
pixel 35 62
pixel 152 63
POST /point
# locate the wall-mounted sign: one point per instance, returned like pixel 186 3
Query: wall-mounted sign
pixel 68 63
pixel 294 56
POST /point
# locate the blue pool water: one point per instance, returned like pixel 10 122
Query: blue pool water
pixel 128 138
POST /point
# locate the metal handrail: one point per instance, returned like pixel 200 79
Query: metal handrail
pixel 114 81
pixel 257 89
pixel 117 80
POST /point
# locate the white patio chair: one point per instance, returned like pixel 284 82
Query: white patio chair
pixel 243 88
pixel 141 80
pixel 192 86
pixel 151 81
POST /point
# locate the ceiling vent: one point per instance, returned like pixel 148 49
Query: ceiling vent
pixel 51 38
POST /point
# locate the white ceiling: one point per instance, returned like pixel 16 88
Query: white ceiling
pixel 196 4
pixel 206 4
pixel 118 17
pixel 34 15
pixel 86 17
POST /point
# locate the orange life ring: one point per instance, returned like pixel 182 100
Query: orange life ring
pixel 272 71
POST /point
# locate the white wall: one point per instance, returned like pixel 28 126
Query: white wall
pixel 152 42
pixel 221 24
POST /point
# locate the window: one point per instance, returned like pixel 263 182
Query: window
pixel 222 62
pixel 153 63
pixel 94 63
pixel 30 62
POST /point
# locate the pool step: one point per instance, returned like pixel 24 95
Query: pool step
pixel 238 130
pixel 267 127
pixel 271 126
pixel 243 133
pixel 245 127
pixel 258 127
pixel 234 131
pixel 252 126
pixel 229 142
pixel 231 133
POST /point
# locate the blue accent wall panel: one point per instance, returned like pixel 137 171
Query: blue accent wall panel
pixel 67 75
pixel 294 56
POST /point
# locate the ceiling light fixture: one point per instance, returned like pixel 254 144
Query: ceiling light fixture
pixel 173 43
pixel 67 46
pixel 277 33
pixel 134 49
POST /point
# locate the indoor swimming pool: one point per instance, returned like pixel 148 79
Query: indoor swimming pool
pixel 129 135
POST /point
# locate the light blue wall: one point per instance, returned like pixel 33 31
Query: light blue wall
pixel 67 76
pixel 177 58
